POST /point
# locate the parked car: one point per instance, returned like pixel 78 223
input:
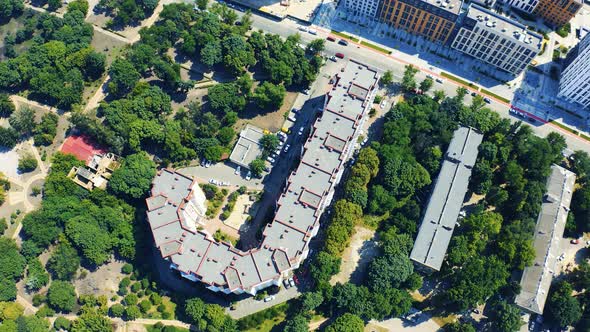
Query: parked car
pixel 291 282
pixel 439 80
pixel 473 94
pixel 270 298
pixel 343 42
pixel 208 164
pixel 429 76
pixel 330 38
pixel 291 118
pixel 295 111
pixel 270 159
pixel 249 176
pixel 339 55
pixel 237 171
pixel 282 136
pixel 487 100
pixel 383 104
pixel 306 91
pixel 575 241
pixel 287 148
pixel 312 31
pixel 300 132
pixel 286 284
pixel 304 29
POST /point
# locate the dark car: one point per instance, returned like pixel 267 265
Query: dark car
pixel 343 42
pixel 330 38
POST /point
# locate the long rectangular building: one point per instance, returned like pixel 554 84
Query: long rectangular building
pixel 574 83
pixel 446 200
pixel 175 207
pixel 497 40
pixel 536 279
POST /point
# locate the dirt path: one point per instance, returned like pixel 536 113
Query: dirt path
pixel 357 255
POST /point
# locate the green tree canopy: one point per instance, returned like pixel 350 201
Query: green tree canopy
pixel 61 296
pixel 347 323
pixel 134 178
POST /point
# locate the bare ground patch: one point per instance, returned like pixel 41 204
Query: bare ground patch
pixel 359 253
pixel 103 281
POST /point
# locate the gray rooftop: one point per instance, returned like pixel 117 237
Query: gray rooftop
pixel 446 200
pixel 298 208
pixel 247 147
pixel 504 26
pixel 536 279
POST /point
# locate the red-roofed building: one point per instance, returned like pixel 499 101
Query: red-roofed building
pixel 82 147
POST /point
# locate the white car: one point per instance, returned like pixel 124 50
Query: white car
pixel 237 171
pixel 291 118
pixel 207 164
pixel 291 282
pixel 383 104
pixel 248 176
pixel 306 91
pixel 304 29
pixel 270 298
pixel 270 159
pixel 312 31
pixel 287 148
pixel 286 283
pixel 282 136
pixel 300 132
pixel 429 76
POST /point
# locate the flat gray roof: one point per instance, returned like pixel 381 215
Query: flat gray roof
pixel 299 207
pixel 247 147
pixel 536 279
pixel 501 25
pixel 446 199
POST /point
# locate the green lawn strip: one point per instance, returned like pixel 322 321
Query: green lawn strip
pixel 340 34
pixel 564 127
pixel 488 92
pixel 375 47
pixel 457 79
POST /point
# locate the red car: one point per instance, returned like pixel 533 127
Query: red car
pixel 331 39
pixel 339 55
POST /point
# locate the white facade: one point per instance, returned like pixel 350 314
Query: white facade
pixel 367 8
pixel 524 5
pixel 574 85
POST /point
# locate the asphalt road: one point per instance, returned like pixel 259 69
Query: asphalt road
pixel 396 65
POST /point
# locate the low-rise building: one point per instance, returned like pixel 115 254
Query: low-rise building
pixel 536 279
pixel 557 12
pixel 174 212
pixel 497 40
pixel 97 173
pixel 574 84
pixel 247 147
pixel 446 200
pixel 431 19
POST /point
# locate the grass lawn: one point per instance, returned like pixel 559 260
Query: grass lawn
pixel 488 92
pixel 375 47
pixel 340 34
pixel 269 324
pixel 457 79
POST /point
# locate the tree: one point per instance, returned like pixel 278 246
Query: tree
pixel 347 323
pixel 7 290
pixel 408 80
pixel 507 318
pixel 31 324
pixel 62 323
pixel 426 84
pixel 46 130
pixel 23 120
pixel 12 263
pixel 269 96
pixel 117 310
pixel 202 4
pixel 269 143
pixel 459 327
pixel 564 309
pixel 257 167
pixel 6 106
pixel 386 79
pixel 27 163
pixel 439 95
pixel 37 277
pixel 194 309
pixel 134 178
pixel 81 5
pixel 315 46
pixel 8 137
pixel 389 272
pixel 225 135
pixel 310 301
pixel 297 324
pixel 91 320
pixel 64 262
pixel 226 98
pixel 132 313
pixel 61 296
pixel 123 76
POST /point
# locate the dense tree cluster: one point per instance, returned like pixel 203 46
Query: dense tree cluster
pixel 58 62
pixel 208 317
pixel 95 223
pixel 134 178
pixel 12 266
pixel 125 12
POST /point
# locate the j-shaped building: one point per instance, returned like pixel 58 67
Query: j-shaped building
pixel 176 207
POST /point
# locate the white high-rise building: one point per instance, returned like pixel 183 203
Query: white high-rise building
pixel 367 8
pixel 574 85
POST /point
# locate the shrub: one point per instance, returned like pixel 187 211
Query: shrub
pixel 156 299
pixel 132 313
pixel 62 323
pixel 27 163
pixel 117 310
pixel 39 299
pixel 135 287
pixel 125 282
pixel 131 299
pixel 145 306
pixel 127 268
